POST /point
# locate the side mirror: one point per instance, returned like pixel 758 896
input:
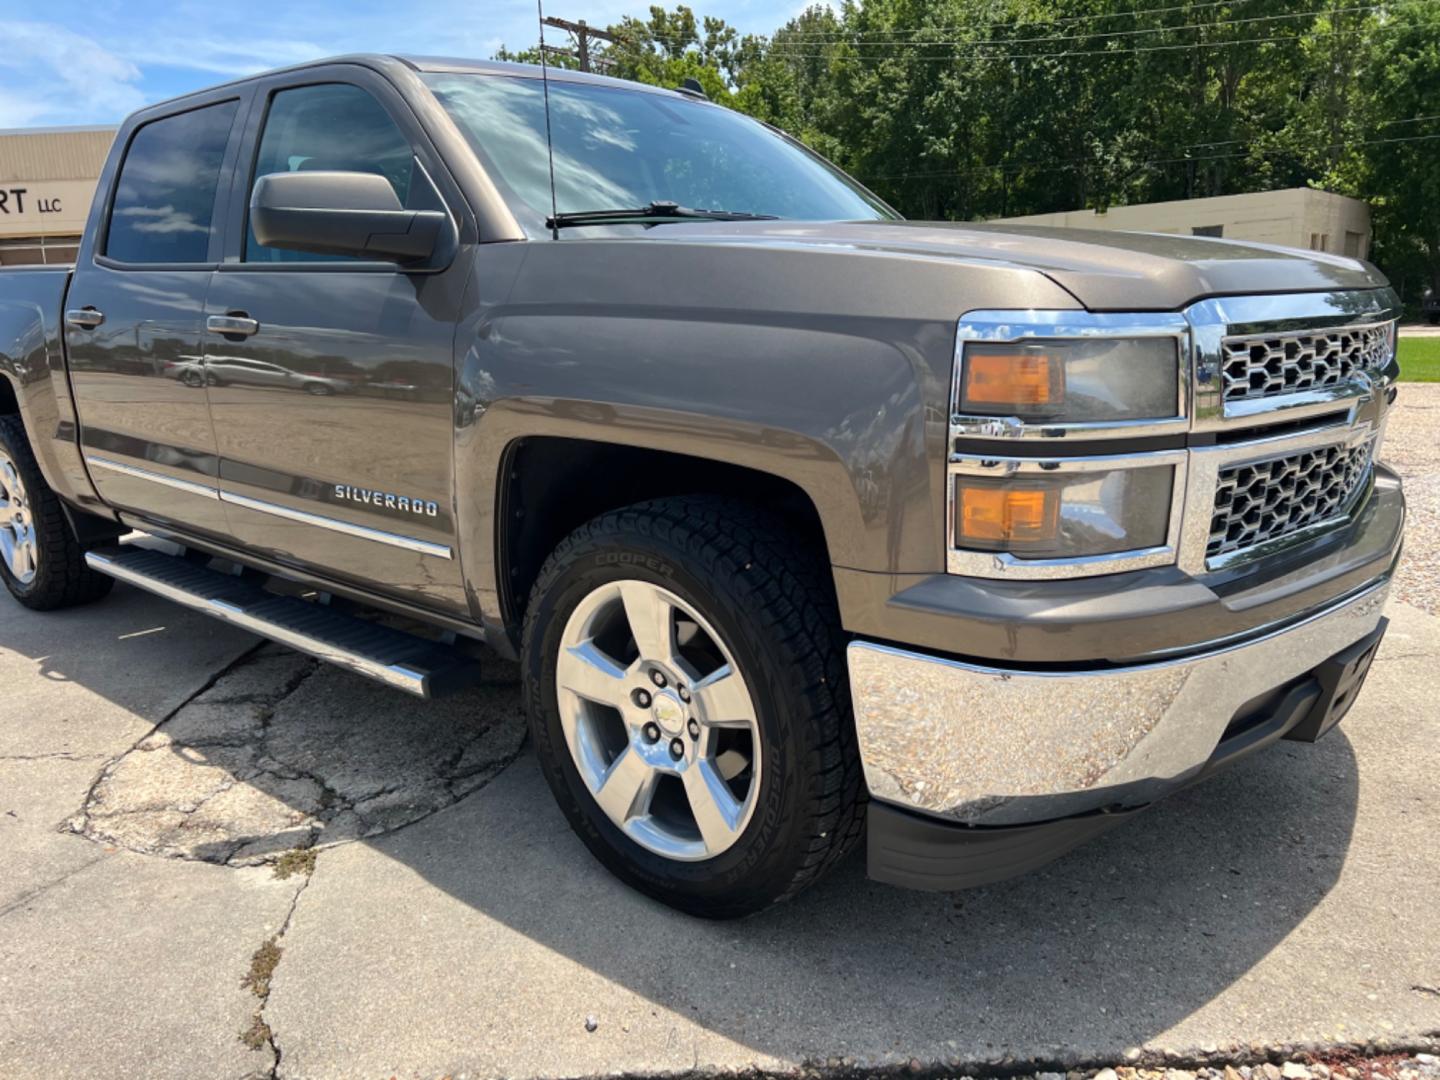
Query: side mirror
pixel 341 213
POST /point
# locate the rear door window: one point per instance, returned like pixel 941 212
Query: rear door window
pixel 164 206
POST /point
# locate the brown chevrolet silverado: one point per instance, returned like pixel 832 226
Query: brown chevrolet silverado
pixel 803 520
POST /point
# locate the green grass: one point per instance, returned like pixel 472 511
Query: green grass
pixel 1420 359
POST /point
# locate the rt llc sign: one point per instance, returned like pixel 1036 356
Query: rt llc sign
pixel 12 201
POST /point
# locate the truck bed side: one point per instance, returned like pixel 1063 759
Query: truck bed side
pixel 35 383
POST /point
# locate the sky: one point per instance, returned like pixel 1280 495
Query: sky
pixel 76 62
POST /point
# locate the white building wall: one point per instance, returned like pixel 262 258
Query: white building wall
pixel 1294 217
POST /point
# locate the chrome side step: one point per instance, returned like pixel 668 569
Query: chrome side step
pixel 407 662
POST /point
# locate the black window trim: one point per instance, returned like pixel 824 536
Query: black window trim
pixel 232 258
pixel 222 190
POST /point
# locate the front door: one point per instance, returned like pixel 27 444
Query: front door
pixel 331 379
pixel 134 318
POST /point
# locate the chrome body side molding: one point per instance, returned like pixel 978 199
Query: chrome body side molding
pixel 409 543
pixel 319 521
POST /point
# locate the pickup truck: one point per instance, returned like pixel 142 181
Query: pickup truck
pixel 804 521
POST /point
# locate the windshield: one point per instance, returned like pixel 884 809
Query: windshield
pixel 620 149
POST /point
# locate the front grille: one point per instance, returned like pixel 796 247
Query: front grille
pixel 1268 500
pixel 1264 366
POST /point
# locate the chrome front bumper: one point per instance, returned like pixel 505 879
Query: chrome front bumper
pixel 984 745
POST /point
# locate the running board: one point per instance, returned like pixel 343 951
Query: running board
pixel 407 662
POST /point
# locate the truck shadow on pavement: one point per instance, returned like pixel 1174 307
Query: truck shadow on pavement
pixel 1110 946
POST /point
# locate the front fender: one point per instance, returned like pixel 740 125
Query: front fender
pixel 827 369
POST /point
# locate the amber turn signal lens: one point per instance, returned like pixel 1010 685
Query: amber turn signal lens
pixel 1015 379
pixel 1008 515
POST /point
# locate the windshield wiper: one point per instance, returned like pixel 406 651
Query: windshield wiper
pixel 660 210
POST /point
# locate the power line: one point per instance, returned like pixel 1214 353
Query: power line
pixel 581 32
pixel 1069 20
pixel 1079 162
pixel 1410 120
pixel 780 48
pixel 1065 54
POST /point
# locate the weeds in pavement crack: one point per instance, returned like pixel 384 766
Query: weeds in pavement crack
pixel 295 861
pixel 267 958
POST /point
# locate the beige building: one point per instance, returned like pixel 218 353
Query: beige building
pixel 47 179
pixel 1294 217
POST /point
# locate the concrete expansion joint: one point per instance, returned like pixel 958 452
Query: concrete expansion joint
pixel 59 755
pixel 25 898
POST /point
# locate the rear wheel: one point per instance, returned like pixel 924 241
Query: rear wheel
pixel 41 561
pixel 684 673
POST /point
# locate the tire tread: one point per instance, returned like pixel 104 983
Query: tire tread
pixel 744 549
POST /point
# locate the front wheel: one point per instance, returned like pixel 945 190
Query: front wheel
pixel 685 680
pixel 41 561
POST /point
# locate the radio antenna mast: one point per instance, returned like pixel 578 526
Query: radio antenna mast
pixel 549 140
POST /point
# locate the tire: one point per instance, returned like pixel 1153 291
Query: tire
pixel 57 576
pixel 769 606
pixel 194 379
pixel 318 389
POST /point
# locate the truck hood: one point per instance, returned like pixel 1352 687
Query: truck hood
pixel 1105 271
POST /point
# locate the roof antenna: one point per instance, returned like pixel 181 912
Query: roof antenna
pixel 549 141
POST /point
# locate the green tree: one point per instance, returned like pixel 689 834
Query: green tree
pixel 1392 160
pixel 963 109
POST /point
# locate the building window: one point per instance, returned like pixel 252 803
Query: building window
pixel 1208 230
pixel 39 251
pixel 1354 244
pixel 1319 241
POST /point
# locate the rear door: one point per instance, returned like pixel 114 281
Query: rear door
pixel 135 313
pixel 323 464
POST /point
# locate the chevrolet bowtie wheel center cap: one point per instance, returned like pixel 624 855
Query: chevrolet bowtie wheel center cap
pixel 668 713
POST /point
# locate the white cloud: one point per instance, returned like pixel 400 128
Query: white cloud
pixel 67 78
pixel 231 58
pixel 53 74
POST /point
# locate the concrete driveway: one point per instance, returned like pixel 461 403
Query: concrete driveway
pixel 158 772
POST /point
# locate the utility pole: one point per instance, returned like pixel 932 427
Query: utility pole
pixel 582 32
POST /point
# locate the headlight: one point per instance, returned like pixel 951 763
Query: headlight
pixel 1039 402
pixel 1066 515
pixel 1086 380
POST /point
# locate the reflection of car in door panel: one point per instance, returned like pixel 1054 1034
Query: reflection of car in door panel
pixel 799 517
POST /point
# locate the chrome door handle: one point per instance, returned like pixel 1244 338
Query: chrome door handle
pixel 86 318
pixel 232 325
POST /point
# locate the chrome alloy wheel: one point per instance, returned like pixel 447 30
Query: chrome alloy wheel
pixel 17 525
pixel 659 721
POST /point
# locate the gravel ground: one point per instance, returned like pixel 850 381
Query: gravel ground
pixel 1326 1065
pixel 1412 448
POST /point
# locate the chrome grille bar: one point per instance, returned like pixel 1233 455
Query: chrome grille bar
pixel 1262 501
pixel 1267 365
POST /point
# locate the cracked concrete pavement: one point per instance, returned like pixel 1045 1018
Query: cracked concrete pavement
pixel 220 859
pixel 448 923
